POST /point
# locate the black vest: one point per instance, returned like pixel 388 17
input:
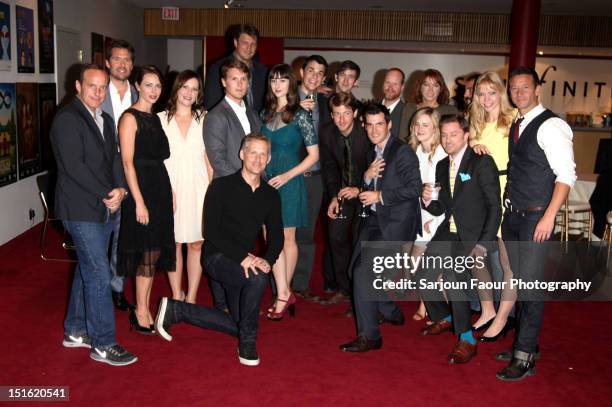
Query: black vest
pixel 531 181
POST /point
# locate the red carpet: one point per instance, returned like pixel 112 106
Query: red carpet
pixel 301 363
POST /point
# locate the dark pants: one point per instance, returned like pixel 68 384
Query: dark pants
pixel 243 299
pixel 436 305
pixel 117 282
pixel 342 236
pixel 366 310
pixel 305 235
pixel 527 263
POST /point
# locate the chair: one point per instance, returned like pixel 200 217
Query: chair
pixel 607 236
pixel 569 224
pixel 45 193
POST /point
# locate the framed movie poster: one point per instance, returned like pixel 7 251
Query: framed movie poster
pixel 8 135
pixel 28 146
pixel 46 107
pixel 97 49
pixel 25 39
pixel 45 36
pixel 5 37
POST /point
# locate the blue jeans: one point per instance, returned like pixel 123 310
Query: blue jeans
pixel 90 308
pixel 116 281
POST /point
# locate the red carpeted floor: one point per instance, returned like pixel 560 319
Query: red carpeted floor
pixel 301 363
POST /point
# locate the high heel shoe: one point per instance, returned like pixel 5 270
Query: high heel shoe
pixel 289 307
pixel 484 326
pixel 501 334
pixel 139 328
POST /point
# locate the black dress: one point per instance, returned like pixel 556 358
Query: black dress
pixel 146 249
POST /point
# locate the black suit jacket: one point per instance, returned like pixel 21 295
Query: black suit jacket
pixel 213 89
pixel 88 166
pixel 331 149
pixel 399 216
pixel 324 113
pixel 396 118
pixel 475 204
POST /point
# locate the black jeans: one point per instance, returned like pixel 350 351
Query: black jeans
pixel 342 236
pixel 243 299
pixel 527 263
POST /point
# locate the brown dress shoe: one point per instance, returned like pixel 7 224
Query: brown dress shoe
pixel 462 353
pixel 437 328
pixel 335 299
pixel 307 295
pixel 361 344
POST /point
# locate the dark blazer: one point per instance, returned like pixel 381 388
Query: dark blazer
pixel 213 89
pixel 107 105
pixel 475 204
pixel 331 149
pixel 399 217
pixel 223 135
pixel 324 113
pixel 88 166
pixel 396 118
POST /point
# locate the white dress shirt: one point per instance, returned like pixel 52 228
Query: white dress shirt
pixel 119 105
pixel 240 110
pixel 98 119
pixel 555 138
pixel 392 106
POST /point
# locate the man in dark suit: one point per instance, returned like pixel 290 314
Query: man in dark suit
pixel 393 196
pixel 469 199
pixel 224 128
pixel 89 191
pixel 120 96
pixel 245 48
pixel 313 73
pixel 344 148
pixel 393 87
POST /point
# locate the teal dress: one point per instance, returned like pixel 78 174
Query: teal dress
pixel 287 140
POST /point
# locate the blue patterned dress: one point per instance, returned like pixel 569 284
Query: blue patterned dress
pixel 287 141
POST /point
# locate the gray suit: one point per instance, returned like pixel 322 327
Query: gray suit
pixel 116 280
pixel 223 135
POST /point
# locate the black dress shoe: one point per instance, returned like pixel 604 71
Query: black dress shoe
pixel 506 355
pixel 501 334
pixel 121 303
pixel 361 344
pixel 484 326
pixel 397 321
pixel 521 366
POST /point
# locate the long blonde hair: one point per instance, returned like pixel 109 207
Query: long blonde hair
pixel 478 116
pixel 435 122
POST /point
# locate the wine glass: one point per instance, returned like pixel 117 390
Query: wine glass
pixel 341 214
pixel 311 97
pixel 363 213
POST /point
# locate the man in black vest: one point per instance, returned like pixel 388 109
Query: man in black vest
pixel 541 172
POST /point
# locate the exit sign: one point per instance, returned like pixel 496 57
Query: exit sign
pixel 170 13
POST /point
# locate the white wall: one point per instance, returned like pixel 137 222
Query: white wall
pixel 184 53
pixel 454 65
pixel 114 18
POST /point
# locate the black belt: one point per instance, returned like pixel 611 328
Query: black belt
pixel 522 212
pixel 312 173
pixel 502 172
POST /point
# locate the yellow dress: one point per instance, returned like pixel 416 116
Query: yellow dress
pixel 496 141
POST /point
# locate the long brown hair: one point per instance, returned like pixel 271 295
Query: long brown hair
pixel 197 108
pixel 282 71
pixel 436 76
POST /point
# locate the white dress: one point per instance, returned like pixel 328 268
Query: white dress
pixel 428 175
pixel 188 177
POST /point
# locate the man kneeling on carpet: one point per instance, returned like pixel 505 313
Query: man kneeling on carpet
pixel 235 208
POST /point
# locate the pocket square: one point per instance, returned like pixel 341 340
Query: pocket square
pixel 464 177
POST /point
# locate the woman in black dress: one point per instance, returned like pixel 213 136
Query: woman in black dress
pixel 146 238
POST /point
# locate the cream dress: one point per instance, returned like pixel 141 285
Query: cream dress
pixel 188 177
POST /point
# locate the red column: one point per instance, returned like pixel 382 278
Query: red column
pixel 524 26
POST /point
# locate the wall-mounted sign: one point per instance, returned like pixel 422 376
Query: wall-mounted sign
pixel 170 13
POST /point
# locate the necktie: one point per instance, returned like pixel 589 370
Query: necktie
pixel 347 170
pixel 451 179
pixel 378 157
pixel 515 131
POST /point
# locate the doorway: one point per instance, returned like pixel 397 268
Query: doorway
pixel 69 57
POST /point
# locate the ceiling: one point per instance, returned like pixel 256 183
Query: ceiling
pixel 566 7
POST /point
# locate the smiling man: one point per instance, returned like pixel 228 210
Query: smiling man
pixel 245 47
pixel 235 209
pixel 393 86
